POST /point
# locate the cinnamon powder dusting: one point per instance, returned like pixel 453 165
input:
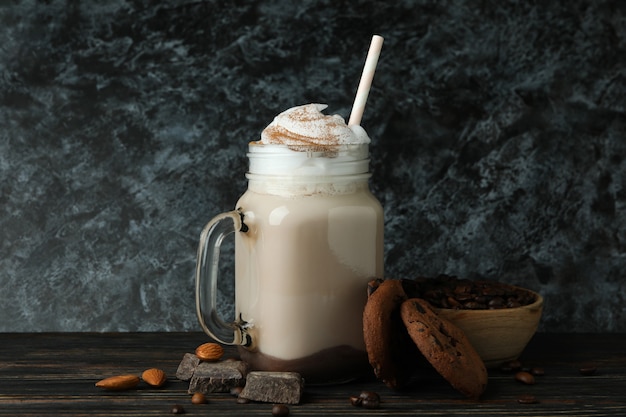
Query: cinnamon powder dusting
pixel 306 128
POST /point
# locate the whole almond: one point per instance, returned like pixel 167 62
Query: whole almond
pixel 154 377
pixel 119 382
pixel 209 352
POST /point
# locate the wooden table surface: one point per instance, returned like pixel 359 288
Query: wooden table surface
pixel 46 374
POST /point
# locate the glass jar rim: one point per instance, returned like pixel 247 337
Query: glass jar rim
pixel 308 160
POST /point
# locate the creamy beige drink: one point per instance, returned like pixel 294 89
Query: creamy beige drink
pixel 316 240
pixel 309 236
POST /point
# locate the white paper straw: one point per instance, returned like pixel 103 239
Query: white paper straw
pixel 366 80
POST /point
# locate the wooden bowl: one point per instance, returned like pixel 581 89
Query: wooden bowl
pixel 498 335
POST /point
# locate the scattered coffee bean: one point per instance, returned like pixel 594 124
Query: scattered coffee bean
pixel 525 377
pixel 198 398
pixel 356 401
pixel 235 391
pixel 280 410
pixel 511 366
pixel 369 395
pixel 366 399
pixel 537 371
pixel 242 400
pixel 527 399
pixel 177 409
pixel 370 403
pixel 588 370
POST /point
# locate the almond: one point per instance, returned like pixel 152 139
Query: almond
pixel 119 382
pixel 209 352
pixel 154 377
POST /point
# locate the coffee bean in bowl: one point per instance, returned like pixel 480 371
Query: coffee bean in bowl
pixel 498 319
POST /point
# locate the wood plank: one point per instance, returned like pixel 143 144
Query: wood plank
pixel 54 374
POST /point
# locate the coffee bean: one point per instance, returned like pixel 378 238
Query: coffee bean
pixel 370 403
pixel 493 292
pixel 527 399
pixel 366 399
pixel 525 377
pixel 235 391
pixel 588 370
pixel 369 395
pixel 356 401
pixel 537 371
pixel 453 303
pixel 198 398
pixel 482 299
pixel 463 297
pixel 511 366
pixel 369 399
pixel 463 288
pixel 177 409
pixel 280 410
pixel 474 305
pixel 242 400
pixel 496 302
pixel 431 295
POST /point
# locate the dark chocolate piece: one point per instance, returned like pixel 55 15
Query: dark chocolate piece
pixel 218 376
pixel 187 367
pixel 273 387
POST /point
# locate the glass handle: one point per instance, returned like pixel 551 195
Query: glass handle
pixel 207 274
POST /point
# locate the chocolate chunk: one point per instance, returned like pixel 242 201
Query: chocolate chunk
pixel 273 387
pixel 187 367
pixel 218 376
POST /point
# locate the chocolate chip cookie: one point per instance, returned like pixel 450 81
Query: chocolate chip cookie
pixel 445 346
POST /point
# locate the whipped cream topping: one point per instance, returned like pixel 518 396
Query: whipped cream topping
pixel 306 125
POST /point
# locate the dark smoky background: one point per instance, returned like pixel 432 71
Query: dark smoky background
pixel 498 147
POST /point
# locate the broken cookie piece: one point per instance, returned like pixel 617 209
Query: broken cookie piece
pixel 273 387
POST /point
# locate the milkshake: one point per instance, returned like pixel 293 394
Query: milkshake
pixel 315 233
pixel 310 237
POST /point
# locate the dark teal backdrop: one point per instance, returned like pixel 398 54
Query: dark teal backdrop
pixel 498 145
